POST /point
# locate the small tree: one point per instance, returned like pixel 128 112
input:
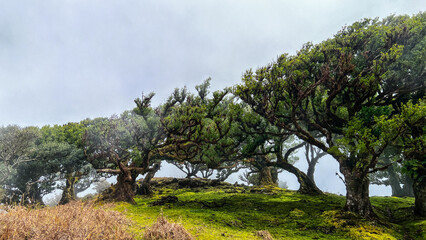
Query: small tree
pixel 390 173
pixel 312 155
pixel 193 170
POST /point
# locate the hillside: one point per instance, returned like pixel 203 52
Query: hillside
pixel 215 210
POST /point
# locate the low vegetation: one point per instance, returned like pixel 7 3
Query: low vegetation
pixel 163 229
pixel 75 220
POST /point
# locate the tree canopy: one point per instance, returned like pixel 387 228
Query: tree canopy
pixel 346 90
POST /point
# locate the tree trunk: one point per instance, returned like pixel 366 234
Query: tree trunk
pixel 145 188
pixel 68 192
pixel 124 189
pixel 394 182
pixel 307 186
pixel 32 195
pixel 419 188
pixel 357 192
pixel 407 188
pixel 265 177
pixel 311 171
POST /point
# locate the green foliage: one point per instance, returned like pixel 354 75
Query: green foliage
pixel 110 139
pixel 71 133
pixel 414 116
pixel 348 90
pixel 16 146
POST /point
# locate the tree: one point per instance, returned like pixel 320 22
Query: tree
pixel 392 174
pixel 261 139
pixel 197 128
pixel 134 144
pixel 262 176
pixel 404 88
pixel 110 148
pixel 227 169
pixel 225 134
pixel 66 148
pixel 312 155
pixel 16 145
pixel 191 170
pixel 336 89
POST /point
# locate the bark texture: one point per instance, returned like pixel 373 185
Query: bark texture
pixel 266 178
pixel 420 197
pixel 68 193
pixel 357 192
pixel 307 186
pixel 124 189
pixel 145 188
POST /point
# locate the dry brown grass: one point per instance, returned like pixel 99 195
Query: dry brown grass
pixel 75 220
pixel 162 229
pixel 264 234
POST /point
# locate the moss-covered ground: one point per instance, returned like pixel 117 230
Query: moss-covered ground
pixel 237 212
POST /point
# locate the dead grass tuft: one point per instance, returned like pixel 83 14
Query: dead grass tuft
pixel 75 220
pixel 163 229
pixel 264 234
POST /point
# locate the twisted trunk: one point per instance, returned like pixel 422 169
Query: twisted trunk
pixel 124 189
pixel 265 177
pixel 145 188
pixel 68 193
pixel 419 187
pixel 357 191
pixel 307 186
pixel 32 194
pixel 407 188
pixel 312 155
pixel 394 182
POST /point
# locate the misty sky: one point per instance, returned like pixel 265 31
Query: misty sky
pixel 66 60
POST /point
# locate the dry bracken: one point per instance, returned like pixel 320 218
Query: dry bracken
pixel 162 229
pixel 75 220
pixel 264 234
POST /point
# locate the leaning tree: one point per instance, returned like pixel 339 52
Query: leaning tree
pixel 110 148
pixel 340 90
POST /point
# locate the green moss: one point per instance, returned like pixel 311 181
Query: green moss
pixel 370 232
pixel 296 213
pixel 225 213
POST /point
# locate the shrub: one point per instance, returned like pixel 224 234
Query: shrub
pixel 264 234
pixel 163 229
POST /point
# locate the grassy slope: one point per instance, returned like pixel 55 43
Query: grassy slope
pixel 229 212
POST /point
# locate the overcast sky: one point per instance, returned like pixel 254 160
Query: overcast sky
pixel 66 60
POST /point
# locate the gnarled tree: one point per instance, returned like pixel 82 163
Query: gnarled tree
pixel 337 89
